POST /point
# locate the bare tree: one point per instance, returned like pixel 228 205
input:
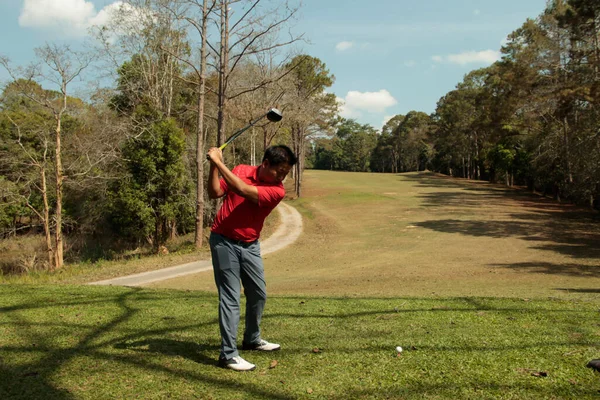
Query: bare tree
pixel 257 31
pixel 196 15
pixel 308 107
pixel 141 39
pixel 59 66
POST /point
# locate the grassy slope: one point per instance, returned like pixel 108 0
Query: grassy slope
pixel 377 246
pixel 75 342
pixel 419 234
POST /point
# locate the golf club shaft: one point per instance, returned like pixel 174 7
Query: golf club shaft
pixel 238 133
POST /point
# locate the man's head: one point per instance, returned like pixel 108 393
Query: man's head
pixel 276 164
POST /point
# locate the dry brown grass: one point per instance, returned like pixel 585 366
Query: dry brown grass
pixel 23 259
pixel 23 255
pixel 421 234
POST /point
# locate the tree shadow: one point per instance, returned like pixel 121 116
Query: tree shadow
pixel 36 378
pixel 189 350
pixel 579 290
pixel 568 269
pixel 550 226
pixel 28 380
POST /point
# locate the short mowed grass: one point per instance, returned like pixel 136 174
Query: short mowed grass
pixel 76 342
pixel 493 293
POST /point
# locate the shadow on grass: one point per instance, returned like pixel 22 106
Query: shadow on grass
pixel 550 226
pixel 36 379
pixel 28 382
pixel 168 347
pixel 121 342
pixel 579 290
pixel 50 361
pixel 568 269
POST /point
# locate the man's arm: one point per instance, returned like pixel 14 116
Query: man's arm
pixel 214 186
pixel 234 183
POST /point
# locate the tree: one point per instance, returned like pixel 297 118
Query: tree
pixel 385 156
pixel 60 66
pixel 349 150
pixel 196 15
pixel 410 141
pixel 255 32
pixel 149 201
pixel 308 108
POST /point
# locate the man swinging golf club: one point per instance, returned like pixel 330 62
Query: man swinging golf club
pixel 251 193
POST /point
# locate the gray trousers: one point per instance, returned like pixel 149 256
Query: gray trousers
pixel 235 261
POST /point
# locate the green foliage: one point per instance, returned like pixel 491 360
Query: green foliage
pixel 533 115
pixel 312 75
pixel 349 150
pixel 150 202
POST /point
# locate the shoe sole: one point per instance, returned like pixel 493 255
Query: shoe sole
pixel 256 349
pixel 227 366
pixel 241 370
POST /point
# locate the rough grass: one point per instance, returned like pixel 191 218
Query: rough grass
pixel 15 253
pixel 421 234
pixel 76 342
pixel 22 256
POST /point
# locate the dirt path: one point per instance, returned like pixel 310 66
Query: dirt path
pixel 290 228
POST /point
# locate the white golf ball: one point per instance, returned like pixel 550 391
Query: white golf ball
pixel 399 349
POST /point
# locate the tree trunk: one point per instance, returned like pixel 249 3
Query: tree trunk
pixel 297 144
pixel 469 166
pixel 223 71
pixel 46 221
pixel 567 149
pixel 58 237
pixel 200 135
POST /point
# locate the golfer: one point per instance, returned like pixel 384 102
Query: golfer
pixel 251 193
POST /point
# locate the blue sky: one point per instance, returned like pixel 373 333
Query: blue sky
pixel 388 56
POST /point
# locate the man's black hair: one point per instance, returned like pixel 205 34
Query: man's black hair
pixel 280 154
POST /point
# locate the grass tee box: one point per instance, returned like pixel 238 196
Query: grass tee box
pixel 75 342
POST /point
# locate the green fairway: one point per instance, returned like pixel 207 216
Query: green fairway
pixel 421 234
pixel 492 293
pixel 75 342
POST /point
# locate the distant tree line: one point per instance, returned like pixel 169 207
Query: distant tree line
pixel 531 119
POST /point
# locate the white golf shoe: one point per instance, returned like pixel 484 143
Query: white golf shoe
pixel 263 345
pixel 236 364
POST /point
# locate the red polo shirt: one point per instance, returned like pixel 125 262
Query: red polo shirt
pixel 241 219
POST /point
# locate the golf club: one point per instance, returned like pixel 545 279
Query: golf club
pixel 273 115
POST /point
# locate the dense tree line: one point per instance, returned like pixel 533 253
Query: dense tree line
pixel 530 119
pixel 123 167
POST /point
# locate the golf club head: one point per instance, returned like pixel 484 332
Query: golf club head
pixel 274 115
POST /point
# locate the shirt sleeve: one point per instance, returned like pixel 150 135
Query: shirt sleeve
pixel 222 182
pixel 270 196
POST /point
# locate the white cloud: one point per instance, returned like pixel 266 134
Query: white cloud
pixel 72 17
pixel 470 57
pixel 355 103
pixel 410 63
pixel 342 46
pixel 476 12
pixel 346 111
pixel 385 120
pixel 105 15
pixel 54 13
